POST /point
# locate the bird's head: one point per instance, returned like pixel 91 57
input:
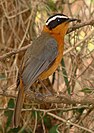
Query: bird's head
pixel 58 24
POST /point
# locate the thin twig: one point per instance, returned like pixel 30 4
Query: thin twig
pixel 7 95
pixel 9 54
pixel 69 122
pixel 26 123
pixel 36 119
pixel 51 110
pixel 89 22
pixel 91 33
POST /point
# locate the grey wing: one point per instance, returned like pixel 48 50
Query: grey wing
pixel 39 62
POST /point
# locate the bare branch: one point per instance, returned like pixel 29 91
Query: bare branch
pixel 61 98
pixel 16 51
pixel 89 22
pixel 69 122
pixel 91 33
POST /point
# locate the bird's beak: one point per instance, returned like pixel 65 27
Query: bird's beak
pixel 73 19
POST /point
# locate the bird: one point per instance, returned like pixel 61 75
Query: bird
pixel 42 58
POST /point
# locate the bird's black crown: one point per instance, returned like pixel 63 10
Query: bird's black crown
pixel 55 20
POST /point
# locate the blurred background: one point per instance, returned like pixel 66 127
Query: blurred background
pixel 21 21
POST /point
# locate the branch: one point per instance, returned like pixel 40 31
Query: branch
pixel 69 122
pixel 60 98
pixel 90 22
pixel 80 42
pixel 38 98
pixel 15 51
pixel 50 110
pixel 9 54
pixel 7 95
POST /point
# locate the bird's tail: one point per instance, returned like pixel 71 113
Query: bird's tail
pixel 18 106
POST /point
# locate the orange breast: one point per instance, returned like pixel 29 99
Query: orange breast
pixel 57 61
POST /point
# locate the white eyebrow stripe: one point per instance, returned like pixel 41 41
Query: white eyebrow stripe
pixel 53 18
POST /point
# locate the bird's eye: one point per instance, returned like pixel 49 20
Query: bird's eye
pixel 58 20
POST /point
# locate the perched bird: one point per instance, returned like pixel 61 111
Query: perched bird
pixel 42 58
